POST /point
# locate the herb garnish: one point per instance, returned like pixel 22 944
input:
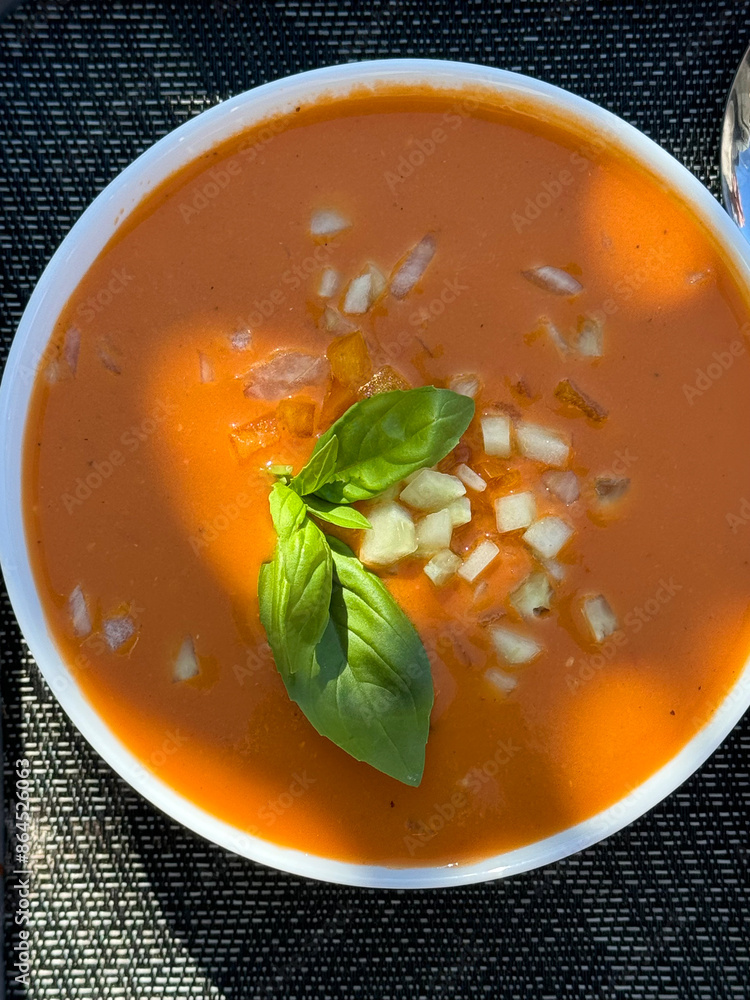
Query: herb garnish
pixel 347 653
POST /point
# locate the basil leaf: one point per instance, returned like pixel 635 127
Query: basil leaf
pixel 319 469
pixel 383 439
pixel 343 516
pixel 294 589
pixel 369 686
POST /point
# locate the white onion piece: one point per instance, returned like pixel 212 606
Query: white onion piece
pixel 72 348
pixel 555 569
pixel 241 340
pixel 186 663
pixel 542 444
pixel 358 295
pixel 78 610
pixel 513 646
pixel 590 342
pixel 391 537
pixel 442 567
pixel 533 596
pixel 471 479
pixel 434 532
pixel 515 511
pixel 117 630
pixel 564 485
pixel 430 490
pixel 377 282
pixel 553 279
pixel 496 434
pixel 108 358
pixel 478 560
pixel 465 385
pixel 459 511
pixel 600 617
pixel 329 283
pixel 504 682
pixel 334 322
pixel 611 488
pixel 698 277
pixel 548 535
pixel 284 373
pixel 408 274
pixel 326 222
pixel 206 368
pixel 555 336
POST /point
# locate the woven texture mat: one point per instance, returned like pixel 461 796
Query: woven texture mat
pixel 124 903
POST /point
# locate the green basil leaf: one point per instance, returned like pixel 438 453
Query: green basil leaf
pixel 343 516
pixel 383 439
pixel 369 686
pixel 319 469
pixel 294 589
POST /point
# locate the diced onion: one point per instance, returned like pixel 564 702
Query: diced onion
pixel 548 535
pixel 377 282
pixel 329 283
pixel 590 342
pixel 459 511
pixel 555 569
pixel 470 478
pixel 117 630
pixel 504 682
pixel 411 270
pixel 333 320
pixel 442 567
pixel 553 279
pixel 79 612
pixel 391 537
pixel 465 385
pixel 108 357
pixel 611 488
pixel 564 485
pixel 430 490
pixel 326 222
pixel 284 373
pixel 532 597
pixel 206 368
pixel 496 434
pixel 542 444
pixel 434 532
pixel 241 340
pixel 186 663
pixel 600 617
pixel 358 295
pixel 554 335
pixel 72 348
pixel 514 647
pixel 515 511
pixel 478 560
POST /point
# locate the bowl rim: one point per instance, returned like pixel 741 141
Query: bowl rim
pixel 72 259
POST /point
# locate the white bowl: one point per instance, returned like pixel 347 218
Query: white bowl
pixel 78 251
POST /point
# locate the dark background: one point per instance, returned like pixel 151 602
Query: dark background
pixel 125 903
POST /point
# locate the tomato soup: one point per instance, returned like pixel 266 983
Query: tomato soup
pixel 221 331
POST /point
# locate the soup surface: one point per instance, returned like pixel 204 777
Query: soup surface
pixel 147 455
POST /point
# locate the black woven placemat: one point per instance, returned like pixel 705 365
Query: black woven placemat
pixel 123 902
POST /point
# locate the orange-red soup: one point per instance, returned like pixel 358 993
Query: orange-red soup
pixel 136 492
